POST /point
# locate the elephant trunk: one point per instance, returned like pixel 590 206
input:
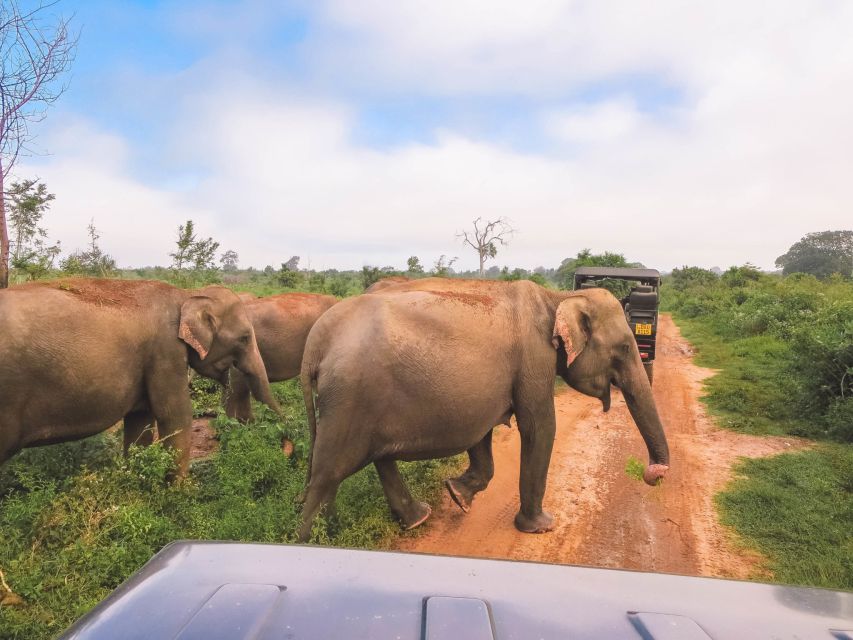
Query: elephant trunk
pixel 638 396
pixel 252 366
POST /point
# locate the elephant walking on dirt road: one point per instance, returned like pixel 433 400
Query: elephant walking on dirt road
pixel 78 355
pixel 426 369
pixel 281 324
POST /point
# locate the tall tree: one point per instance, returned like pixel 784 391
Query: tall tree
pixel 194 258
pixel 230 260
pixel 442 268
pixel 486 237
pixel 414 266
pixel 184 246
pixel 33 57
pixel 820 254
pixel 27 203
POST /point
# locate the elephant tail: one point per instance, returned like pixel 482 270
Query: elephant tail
pixel 308 379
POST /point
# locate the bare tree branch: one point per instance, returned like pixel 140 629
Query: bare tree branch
pixel 33 56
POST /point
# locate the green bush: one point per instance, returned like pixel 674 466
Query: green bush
pixel 785 346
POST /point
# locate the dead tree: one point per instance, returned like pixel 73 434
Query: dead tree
pixel 485 240
pixel 33 57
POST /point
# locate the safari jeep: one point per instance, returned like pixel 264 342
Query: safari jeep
pixel 640 301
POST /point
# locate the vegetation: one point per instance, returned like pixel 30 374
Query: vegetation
pixel 92 261
pixel 820 254
pixel 34 56
pixel 194 258
pixel 32 256
pixel 785 347
pixel 797 509
pixel 565 274
pixel 784 350
pixel 77 519
pixel 485 238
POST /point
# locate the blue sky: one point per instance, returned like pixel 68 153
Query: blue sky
pixel 355 133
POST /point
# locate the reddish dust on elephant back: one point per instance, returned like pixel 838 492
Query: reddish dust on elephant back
pixel 290 302
pixel 101 292
pixel 604 516
pixel 470 299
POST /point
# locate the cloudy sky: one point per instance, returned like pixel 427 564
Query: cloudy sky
pixel 355 132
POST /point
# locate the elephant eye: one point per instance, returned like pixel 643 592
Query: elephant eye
pixel 246 338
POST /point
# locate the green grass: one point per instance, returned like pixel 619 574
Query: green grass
pixel 797 509
pixel 751 390
pixel 634 468
pixel 77 519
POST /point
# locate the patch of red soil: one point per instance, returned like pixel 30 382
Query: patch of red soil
pixel 204 441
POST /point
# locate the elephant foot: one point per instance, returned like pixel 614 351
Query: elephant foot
pixel 460 493
pixel 419 513
pixel 538 524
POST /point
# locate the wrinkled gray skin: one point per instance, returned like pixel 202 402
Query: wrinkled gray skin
pixel 427 369
pixel 281 323
pixel 79 355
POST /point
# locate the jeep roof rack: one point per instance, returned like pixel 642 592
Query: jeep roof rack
pixel 618 272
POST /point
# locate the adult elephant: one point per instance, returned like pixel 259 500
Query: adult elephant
pixel 387 283
pixel 78 355
pixel 281 323
pixel 428 368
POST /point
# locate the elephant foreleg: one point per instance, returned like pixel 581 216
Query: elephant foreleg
pixel 409 511
pixel 138 429
pixel 537 428
pixel 170 401
pixel 481 469
pixel 238 400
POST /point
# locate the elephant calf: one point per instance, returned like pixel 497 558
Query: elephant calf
pixel 78 355
pixel 427 368
pixel 281 323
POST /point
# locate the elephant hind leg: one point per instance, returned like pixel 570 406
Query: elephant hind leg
pixel 138 429
pixel 409 511
pixel 480 471
pixel 321 492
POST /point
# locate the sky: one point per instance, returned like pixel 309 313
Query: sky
pixel 361 132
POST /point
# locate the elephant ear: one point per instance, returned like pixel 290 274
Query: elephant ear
pixel 572 326
pixel 198 324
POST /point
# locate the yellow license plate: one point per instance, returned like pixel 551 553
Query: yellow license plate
pixel 643 329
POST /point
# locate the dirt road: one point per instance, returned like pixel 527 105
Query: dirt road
pixel 604 517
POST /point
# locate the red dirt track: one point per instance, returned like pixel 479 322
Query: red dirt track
pixel 603 517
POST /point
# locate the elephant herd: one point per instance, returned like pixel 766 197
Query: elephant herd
pixel 410 370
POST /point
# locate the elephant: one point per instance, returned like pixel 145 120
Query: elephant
pixel 385 283
pixel 80 354
pixel 426 369
pixel 281 324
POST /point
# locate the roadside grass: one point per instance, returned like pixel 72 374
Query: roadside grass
pixel 781 347
pixel 750 392
pixel 77 519
pixel 797 508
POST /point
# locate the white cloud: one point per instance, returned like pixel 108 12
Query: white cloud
pixel 89 173
pixel 604 122
pixel 756 155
